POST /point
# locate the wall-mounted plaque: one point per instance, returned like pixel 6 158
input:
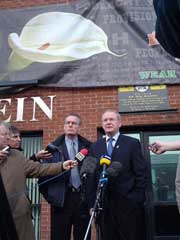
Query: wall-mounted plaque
pixel 143 98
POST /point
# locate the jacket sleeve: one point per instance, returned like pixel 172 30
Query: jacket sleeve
pixel 37 169
pixel 140 171
pixel 177 183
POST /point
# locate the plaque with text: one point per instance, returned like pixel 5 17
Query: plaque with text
pixel 143 98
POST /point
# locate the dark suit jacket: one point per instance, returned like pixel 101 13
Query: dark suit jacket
pixel 54 191
pixel 131 183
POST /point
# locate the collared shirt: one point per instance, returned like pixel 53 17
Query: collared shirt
pixel 115 137
pixel 68 142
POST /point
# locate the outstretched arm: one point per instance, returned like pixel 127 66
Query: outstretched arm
pixel 159 147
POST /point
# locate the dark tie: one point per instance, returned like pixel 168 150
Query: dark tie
pixel 110 146
pixel 75 178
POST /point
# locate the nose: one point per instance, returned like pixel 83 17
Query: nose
pixel 108 121
pixel 18 138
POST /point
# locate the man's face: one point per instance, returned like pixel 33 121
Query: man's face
pixel 71 126
pixel 4 136
pixel 15 140
pixel 110 123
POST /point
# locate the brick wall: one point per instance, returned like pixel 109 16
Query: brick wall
pixel 90 104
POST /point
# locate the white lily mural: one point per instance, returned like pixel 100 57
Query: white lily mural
pixel 56 37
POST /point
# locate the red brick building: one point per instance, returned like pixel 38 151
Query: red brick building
pixel 90 103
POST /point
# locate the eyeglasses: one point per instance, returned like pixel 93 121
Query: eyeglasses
pixel 71 123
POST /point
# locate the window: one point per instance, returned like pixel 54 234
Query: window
pixel 32 143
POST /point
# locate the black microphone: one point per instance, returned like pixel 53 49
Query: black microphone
pixel 88 166
pixel 81 155
pixel 114 169
pixel 51 148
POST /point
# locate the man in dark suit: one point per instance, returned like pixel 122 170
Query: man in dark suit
pixel 123 214
pixel 64 194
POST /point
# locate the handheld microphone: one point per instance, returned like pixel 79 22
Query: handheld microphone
pixel 51 148
pixel 105 161
pixel 88 166
pixel 81 155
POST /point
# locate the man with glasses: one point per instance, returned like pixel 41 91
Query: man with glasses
pixel 64 195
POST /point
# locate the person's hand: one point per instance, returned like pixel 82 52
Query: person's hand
pixel 69 164
pixel 158 147
pixel 43 154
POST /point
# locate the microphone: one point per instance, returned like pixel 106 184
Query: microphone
pixel 104 161
pixel 81 155
pixel 51 148
pixel 88 167
pixel 114 169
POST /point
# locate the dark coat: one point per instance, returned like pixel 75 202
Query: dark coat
pixel 133 177
pixel 124 196
pixel 54 191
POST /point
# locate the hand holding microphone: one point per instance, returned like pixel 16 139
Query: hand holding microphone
pixel 69 164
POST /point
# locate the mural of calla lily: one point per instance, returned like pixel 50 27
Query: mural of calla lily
pixel 56 37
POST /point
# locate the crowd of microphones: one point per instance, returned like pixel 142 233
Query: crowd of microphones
pixel 109 170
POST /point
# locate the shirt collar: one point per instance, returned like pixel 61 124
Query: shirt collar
pixel 69 140
pixel 115 136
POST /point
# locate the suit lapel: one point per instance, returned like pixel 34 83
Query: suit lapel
pixel 117 145
pixel 103 146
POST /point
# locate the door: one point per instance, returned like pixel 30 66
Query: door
pixel 163 214
pixel 32 143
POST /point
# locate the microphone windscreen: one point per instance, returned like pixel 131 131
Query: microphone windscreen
pixel 114 169
pixel 84 151
pixel 105 160
pixel 88 166
pixel 81 155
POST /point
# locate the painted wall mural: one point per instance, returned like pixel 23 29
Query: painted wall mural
pixel 84 44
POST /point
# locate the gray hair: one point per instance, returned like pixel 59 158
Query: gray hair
pixel 74 115
pixel 5 124
pixel 118 116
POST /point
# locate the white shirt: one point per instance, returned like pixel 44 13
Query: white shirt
pixel 115 137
